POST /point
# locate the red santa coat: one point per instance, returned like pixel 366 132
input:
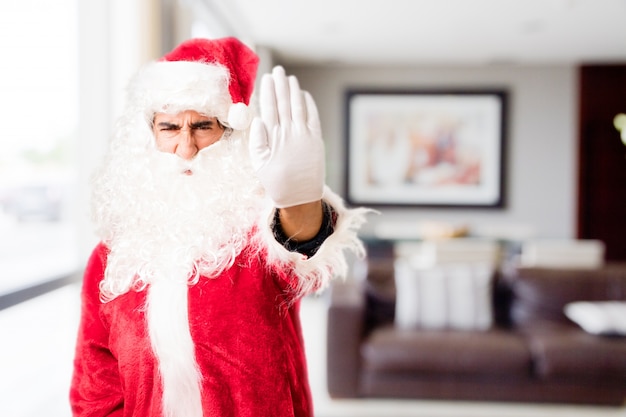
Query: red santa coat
pixel 248 342
pixel 244 325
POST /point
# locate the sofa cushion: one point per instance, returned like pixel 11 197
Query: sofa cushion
pixel 446 351
pixel 600 317
pixel 455 296
pixel 573 353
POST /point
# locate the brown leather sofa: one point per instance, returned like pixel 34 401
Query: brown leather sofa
pixel 532 353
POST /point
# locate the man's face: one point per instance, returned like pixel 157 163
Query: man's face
pixel 185 133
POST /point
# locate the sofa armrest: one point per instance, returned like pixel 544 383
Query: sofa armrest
pixel 345 327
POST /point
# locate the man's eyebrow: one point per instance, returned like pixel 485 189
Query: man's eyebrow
pixel 202 123
pixel 168 125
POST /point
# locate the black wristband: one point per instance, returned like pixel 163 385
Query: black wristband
pixel 308 247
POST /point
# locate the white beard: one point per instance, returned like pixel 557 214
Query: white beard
pixel 167 221
pixel 162 224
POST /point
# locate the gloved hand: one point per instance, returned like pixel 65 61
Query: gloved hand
pixel 286 144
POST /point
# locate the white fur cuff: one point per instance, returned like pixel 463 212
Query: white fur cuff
pixel 315 273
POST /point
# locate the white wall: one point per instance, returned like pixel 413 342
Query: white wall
pixel 541 147
pixel 541 144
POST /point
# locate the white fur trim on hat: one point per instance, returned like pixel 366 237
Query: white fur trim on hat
pixel 175 86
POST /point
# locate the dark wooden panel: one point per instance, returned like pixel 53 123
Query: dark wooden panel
pixel 602 158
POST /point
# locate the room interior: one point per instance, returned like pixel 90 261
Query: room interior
pixel 561 166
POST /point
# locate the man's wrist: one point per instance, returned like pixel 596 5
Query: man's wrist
pixel 310 246
pixel 301 222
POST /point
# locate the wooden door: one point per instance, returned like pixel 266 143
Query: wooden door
pixel 602 158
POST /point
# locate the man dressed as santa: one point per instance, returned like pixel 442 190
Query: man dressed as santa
pixel 213 226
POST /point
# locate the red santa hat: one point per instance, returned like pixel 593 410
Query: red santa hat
pixel 212 76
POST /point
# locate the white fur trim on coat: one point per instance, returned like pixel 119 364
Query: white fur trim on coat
pixel 315 273
pixel 168 325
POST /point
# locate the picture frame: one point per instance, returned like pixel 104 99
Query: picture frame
pixel 425 148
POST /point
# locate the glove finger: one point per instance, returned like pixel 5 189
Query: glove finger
pixel 298 106
pixel 267 100
pixel 283 102
pixel 312 116
pixel 258 145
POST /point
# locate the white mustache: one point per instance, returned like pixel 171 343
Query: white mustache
pixel 201 162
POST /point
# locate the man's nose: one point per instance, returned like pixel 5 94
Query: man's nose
pixel 187 147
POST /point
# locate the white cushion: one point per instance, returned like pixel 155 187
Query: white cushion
pixel 456 296
pixel 600 317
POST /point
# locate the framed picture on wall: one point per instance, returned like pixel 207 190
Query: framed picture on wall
pixel 425 148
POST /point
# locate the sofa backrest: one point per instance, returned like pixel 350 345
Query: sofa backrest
pixel 539 295
pixel 379 290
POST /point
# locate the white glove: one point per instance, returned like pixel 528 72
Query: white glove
pixel 286 144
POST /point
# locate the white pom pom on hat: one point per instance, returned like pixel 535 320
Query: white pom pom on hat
pixel 237 58
pixel 239 116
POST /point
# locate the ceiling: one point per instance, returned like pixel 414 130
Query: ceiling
pixel 409 32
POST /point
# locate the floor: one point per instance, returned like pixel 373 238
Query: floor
pixel 37 349
pixel 36 354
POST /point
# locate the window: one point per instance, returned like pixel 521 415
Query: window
pixel 38 249
pixel 39 108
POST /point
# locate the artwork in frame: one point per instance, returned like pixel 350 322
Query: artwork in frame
pixel 425 148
